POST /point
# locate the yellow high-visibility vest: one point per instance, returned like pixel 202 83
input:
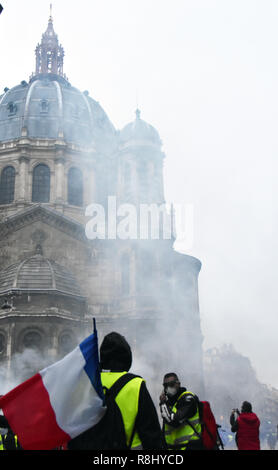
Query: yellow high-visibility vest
pixel 127 401
pixel 1 443
pixel 181 435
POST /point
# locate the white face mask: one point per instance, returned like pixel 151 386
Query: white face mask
pixel 171 391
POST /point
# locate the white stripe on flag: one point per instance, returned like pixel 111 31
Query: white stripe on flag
pixel 74 400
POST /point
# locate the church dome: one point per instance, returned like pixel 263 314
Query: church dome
pixel 38 274
pixel 49 107
pixel 140 130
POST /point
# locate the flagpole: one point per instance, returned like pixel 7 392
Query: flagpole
pixel 95 328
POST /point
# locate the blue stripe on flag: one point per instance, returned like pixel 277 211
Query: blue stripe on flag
pixel 89 349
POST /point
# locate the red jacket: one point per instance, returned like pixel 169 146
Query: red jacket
pixel 248 432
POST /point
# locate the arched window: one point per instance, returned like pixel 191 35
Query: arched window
pixel 44 106
pixel 41 183
pixel 32 340
pixel 125 273
pixel 66 343
pixel 7 185
pixel 12 108
pixel 75 187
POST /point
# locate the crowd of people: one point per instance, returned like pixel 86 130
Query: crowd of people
pixel 182 415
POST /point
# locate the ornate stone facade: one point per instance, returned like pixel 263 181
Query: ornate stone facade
pixel 59 153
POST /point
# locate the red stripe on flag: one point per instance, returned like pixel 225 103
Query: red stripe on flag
pixel 31 417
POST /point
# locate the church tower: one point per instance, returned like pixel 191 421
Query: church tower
pixel 142 163
pixel 60 153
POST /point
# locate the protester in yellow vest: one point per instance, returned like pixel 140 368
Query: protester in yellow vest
pixel 8 441
pixel 180 414
pixel 134 400
pixel 139 416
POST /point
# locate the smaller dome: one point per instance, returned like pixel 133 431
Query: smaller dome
pixel 140 130
pixel 38 274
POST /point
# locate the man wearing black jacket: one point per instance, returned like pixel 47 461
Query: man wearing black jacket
pixel 9 440
pixel 140 420
pixel 180 413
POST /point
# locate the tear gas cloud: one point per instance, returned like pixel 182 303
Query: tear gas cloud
pixel 23 366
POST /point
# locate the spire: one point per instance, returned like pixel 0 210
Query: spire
pixel 49 53
pixel 138 113
pixel 50 15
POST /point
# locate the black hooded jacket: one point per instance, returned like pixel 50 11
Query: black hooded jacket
pixel 187 407
pixel 9 438
pixel 116 356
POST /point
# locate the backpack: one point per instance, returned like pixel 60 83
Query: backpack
pixel 109 432
pixel 210 436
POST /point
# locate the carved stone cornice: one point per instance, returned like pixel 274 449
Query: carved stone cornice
pixel 45 214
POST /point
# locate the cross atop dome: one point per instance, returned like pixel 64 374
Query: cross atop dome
pixel 49 53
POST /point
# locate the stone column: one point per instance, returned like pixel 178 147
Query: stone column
pixel 53 347
pixel 59 180
pixel 22 187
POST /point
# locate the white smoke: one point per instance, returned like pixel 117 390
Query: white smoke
pixel 23 366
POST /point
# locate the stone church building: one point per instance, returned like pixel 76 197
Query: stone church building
pixel 59 153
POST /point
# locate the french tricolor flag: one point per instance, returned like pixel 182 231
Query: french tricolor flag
pixel 59 402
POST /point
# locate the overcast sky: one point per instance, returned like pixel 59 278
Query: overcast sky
pixel 204 73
